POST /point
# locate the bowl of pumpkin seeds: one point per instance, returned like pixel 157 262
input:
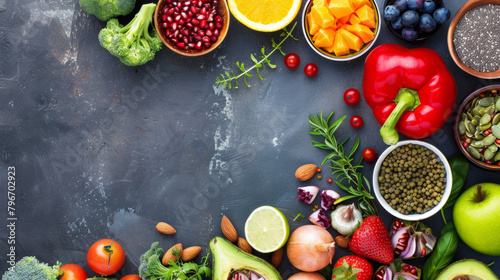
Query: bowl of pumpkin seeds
pixel 477 127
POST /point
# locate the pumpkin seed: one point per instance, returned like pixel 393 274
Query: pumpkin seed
pixel 486 118
pixel 474 153
pixel 496 119
pixel 485 102
pixel 470 116
pixel 495 129
pixel 497 157
pixel 470 127
pixel 485 127
pixel 461 128
pixel 468 134
pixel 478 135
pixel 488 140
pixel 493 148
pixel 475 122
pixel 475 111
pixel 477 144
pixel 488 154
pixel 497 104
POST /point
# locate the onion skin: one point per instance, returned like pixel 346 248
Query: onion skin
pixel 307 276
pixel 310 248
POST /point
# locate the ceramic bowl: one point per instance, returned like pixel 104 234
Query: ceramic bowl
pixel 331 56
pixel 465 105
pixel 397 33
pixel 412 217
pixel 223 11
pixel 451 31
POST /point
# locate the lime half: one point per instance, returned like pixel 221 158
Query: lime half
pixel 266 229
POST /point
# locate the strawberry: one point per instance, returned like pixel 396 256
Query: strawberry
pixel 352 268
pixel 371 240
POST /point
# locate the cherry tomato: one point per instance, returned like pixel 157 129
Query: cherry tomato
pixel 318 170
pixel 369 154
pixel 329 180
pixel 311 69
pixel 356 121
pixel 292 60
pixel 105 257
pixel 73 272
pixel 352 96
pixel 131 277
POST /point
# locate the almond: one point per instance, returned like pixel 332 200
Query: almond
pixel 173 254
pixel 244 245
pixel 342 241
pixel 190 253
pixel 165 228
pixel 276 257
pixel 228 229
pixel 305 172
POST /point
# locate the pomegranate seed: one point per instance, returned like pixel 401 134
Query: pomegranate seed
pixel 185 31
pixel 466 145
pixel 203 24
pixel 218 25
pixel 214 39
pixel 185 9
pixel 198 45
pixel 400 247
pixel 170 11
pixel 488 162
pixel 176 34
pixel 174 40
pixel 200 3
pixel 191 39
pixel 195 21
pixel 497 141
pixel 201 33
pixel 207 5
pixel 207 45
pixel 181 22
pixel 216 32
pixel 176 9
pixel 406 268
pixel 215 2
pixel 208 33
pixel 205 39
pixel 203 11
pixel 165 10
pixel 197 37
pixel 170 19
pixel 174 3
pixel 211 25
pixel 164 25
pixel 194 10
pixel 169 1
pixel 218 19
pixel 413 271
pixel 200 17
pixel 181 45
pixel 164 18
pixel 177 18
pixel 174 26
pixel 179 5
pixel 189 25
pixel 185 40
pixel 192 45
pixel 187 3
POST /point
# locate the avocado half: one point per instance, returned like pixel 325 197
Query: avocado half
pixel 472 269
pixel 228 258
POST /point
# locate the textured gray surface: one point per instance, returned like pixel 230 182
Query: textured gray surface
pixel 104 150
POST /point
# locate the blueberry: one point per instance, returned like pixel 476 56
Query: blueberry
pixel 442 15
pixel 409 34
pixel 429 6
pixel 401 5
pixel 410 18
pixel 427 24
pixel 391 13
pixel 415 5
pixel 396 24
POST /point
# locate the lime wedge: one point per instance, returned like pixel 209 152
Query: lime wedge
pixel 266 229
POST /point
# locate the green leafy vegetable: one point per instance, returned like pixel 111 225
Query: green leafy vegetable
pixel 342 164
pixel 31 268
pixel 151 268
pixel 107 9
pixel 459 168
pixel 298 217
pixel 230 77
pixel 443 253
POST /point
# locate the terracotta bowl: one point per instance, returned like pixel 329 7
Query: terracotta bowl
pixel 223 11
pixel 456 135
pixel 451 30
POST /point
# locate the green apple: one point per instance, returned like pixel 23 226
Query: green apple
pixel 476 215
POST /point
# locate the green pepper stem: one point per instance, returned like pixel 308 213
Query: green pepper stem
pixel 407 99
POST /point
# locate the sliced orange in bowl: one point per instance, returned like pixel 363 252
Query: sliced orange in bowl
pixel 265 15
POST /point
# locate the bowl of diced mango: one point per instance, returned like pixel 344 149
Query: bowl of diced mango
pixel 341 30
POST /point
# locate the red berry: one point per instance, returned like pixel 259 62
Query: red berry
pixel 356 262
pixel 292 60
pixel 369 154
pixel 311 69
pixel 371 240
pixel 356 121
pixel 352 96
pixel 329 180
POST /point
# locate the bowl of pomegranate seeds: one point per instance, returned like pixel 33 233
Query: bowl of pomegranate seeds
pixel 192 27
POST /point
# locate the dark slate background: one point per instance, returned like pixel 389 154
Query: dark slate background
pixel 102 150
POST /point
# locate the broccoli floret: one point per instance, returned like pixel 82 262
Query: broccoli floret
pixel 31 268
pixel 107 9
pixel 133 44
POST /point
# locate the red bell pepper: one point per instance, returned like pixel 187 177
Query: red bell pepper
pixel 409 90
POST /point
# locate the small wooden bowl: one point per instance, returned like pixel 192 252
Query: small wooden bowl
pixel 451 31
pixel 456 135
pixel 223 10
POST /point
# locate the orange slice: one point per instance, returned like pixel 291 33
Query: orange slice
pixel 265 15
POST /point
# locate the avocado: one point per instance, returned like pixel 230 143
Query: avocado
pixel 467 269
pixel 228 258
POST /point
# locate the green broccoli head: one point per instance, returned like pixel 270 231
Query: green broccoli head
pixel 107 9
pixel 134 44
pixel 31 268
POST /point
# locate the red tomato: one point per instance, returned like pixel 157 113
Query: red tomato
pixel 352 96
pixel 356 121
pixel 73 272
pixel 105 257
pixel 131 277
pixel 369 154
pixel 292 60
pixel 311 69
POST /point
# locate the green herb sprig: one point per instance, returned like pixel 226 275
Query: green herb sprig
pixel 230 77
pixel 342 163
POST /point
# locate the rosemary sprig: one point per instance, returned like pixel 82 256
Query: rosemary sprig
pixel 342 164
pixel 231 77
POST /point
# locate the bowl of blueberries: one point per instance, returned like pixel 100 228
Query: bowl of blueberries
pixel 415 20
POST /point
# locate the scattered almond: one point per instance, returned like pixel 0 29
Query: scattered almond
pixel 173 254
pixel 276 257
pixel 190 253
pixel 165 228
pixel 228 229
pixel 244 245
pixel 305 172
pixel 342 241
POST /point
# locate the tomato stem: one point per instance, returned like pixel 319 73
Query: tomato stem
pixel 406 100
pixel 107 248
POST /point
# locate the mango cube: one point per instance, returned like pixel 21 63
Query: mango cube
pixel 322 17
pixel 340 47
pixel 320 3
pixel 340 8
pixel 353 19
pixel 361 31
pixel 324 38
pixel 311 24
pixel 354 42
pixel 367 16
pixel 360 3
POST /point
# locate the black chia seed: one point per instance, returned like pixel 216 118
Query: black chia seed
pixel 477 38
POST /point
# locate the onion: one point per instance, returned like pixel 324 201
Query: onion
pixel 310 248
pixel 307 276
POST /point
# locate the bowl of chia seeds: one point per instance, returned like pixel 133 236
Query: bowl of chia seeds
pixel 412 180
pixel 474 40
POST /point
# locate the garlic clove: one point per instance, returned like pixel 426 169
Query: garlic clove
pixel 346 219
